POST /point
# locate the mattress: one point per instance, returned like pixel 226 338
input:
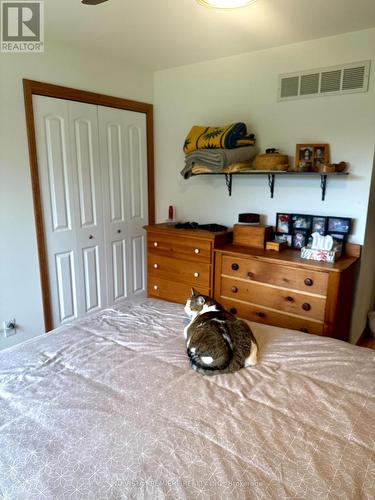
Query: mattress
pixel 108 407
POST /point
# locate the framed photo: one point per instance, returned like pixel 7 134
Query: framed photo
pixel 283 222
pixel 300 238
pixel 339 236
pixel 311 156
pixel 284 237
pixel 338 242
pixel 301 221
pixel 319 225
pixel 340 225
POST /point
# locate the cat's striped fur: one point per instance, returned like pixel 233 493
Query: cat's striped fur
pixel 217 341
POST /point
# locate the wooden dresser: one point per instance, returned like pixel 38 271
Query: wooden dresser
pixel 284 290
pixel 178 259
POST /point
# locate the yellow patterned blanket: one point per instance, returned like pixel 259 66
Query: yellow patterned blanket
pixel 228 137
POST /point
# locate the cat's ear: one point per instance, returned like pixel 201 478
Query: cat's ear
pixel 201 300
pixel 194 293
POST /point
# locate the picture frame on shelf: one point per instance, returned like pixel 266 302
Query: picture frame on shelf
pixel 283 223
pixel 284 237
pixel 299 238
pixel 338 236
pixel 301 221
pixel 339 240
pixel 339 225
pixel 319 224
pixel 311 157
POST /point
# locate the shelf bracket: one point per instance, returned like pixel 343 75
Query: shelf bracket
pixel 228 182
pixel 323 185
pixel 271 183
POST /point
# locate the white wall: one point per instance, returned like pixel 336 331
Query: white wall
pixel 20 294
pixel 244 88
pixel 366 288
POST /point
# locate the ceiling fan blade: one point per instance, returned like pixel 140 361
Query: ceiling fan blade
pixel 93 2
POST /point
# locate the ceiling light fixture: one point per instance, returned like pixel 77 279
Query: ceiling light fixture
pixel 226 4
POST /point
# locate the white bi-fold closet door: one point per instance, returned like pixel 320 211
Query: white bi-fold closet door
pixel 92 163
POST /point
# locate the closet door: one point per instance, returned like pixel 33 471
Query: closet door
pixel 69 171
pixel 123 151
pixel 86 171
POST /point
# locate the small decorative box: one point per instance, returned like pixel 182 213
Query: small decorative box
pixel 277 246
pixel 248 235
pixel 321 255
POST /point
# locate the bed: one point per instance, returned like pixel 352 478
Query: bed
pixel 108 407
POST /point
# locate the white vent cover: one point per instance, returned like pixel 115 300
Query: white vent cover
pixel 333 80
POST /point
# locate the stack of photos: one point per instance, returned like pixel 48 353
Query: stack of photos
pixel 296 229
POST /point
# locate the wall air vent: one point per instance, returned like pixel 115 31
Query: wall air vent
pixel 333 80
pixel 309 84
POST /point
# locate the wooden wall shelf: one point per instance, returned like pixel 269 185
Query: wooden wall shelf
pixel 271 174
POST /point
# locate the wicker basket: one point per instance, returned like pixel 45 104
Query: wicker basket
pixel 271 161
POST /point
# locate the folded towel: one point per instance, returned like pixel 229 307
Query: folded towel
pixel 228 137
pixel 230 169
pixel 217 159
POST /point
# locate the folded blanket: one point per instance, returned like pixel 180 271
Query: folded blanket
pixel 217 159
pixel 228 137
pixel 233 168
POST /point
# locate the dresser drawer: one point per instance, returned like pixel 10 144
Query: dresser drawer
pixel 195 274
pixel 184 248
pixel 277 298
pixel 261 314
pixel 275 274
pixel 170 290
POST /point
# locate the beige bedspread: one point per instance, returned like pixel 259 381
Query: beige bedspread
pixel 109 408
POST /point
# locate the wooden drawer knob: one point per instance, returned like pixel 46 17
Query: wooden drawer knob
pixel 309 282
pixel 234 289
pixel 156 244
pixel 156 287
pixel 290 299
pixel 304 330
pixel 233 310
pixel 156 266
pixel 306 306
pixel 260 314
pixel 197 251
pixel 251 275
pixel 235 267
pixel 196 275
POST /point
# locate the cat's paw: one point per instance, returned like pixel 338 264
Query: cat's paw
pixel 251 363
pixel 252 360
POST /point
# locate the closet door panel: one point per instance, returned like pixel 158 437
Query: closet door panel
pixel 57 162
pixel 92 279
pixel 116 170
pixel 138 250
pixel 118 270
pixel 136 173
pixel 86 172
pixel 84 140
pixel 57 197
pixel 124 166
pixel 66 284
pixel 138 207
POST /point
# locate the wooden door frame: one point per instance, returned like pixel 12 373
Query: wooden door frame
pixel 30 88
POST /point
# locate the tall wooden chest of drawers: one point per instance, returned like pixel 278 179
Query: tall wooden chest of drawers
pixel 284 290
pixel 179 259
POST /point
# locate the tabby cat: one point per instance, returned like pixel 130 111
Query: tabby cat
pixel 216 341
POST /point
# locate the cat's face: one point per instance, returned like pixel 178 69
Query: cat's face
pixel 195 303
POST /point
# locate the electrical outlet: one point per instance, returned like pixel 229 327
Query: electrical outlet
pixel 9 327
